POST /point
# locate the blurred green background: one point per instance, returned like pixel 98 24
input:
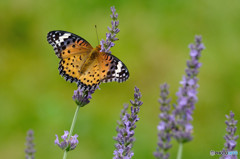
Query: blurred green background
pixel 153 43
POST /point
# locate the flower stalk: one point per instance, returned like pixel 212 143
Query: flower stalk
pixel 165 125
pixel 71 130
pixel 111 35
pixel 230 137
pixel 187 95
pixel 70 142
pixel 180 149
pixel 30 151
pixel 125 128
pixel 177 123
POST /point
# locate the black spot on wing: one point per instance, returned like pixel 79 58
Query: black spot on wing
pixel 80 84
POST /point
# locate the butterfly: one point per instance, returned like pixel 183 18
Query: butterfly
pixel 83 64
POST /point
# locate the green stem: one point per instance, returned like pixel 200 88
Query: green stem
pixel 180 148
pixel 71 129
pixel 65 154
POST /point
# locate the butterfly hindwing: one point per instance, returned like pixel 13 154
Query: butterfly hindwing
pixel 65 43
pixel 90 75
pixel 70 67
pixel 112 69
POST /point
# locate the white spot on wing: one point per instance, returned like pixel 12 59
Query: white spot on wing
pixel 61 38
pixel 118 70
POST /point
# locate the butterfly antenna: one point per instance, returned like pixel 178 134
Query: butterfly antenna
pixel 97 34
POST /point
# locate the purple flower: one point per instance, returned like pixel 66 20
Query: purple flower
pixel 230 137
pixel 187 95
pixel 30 145
pixel 82 97
pixel 126 127
pixel 165 125
pixel 67 144
pixel 111 36
pixel 137 97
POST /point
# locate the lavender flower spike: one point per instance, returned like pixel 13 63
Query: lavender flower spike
pixel 82 97
pixel 230 136
pixel 187 94
pixel 111 35
pixel 30 145
pixel 165 125
pixel 126 127
pixel 67 144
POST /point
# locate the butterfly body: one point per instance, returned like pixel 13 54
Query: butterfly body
pixel 83 64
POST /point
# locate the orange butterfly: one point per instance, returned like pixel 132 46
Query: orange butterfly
pixel 83 64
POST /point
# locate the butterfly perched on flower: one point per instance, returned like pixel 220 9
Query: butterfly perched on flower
pixel 83 64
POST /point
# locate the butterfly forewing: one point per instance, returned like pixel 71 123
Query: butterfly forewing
pixel 65 43
pixel 73 51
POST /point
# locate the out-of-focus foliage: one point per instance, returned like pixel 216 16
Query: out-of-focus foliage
pixel 153 43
